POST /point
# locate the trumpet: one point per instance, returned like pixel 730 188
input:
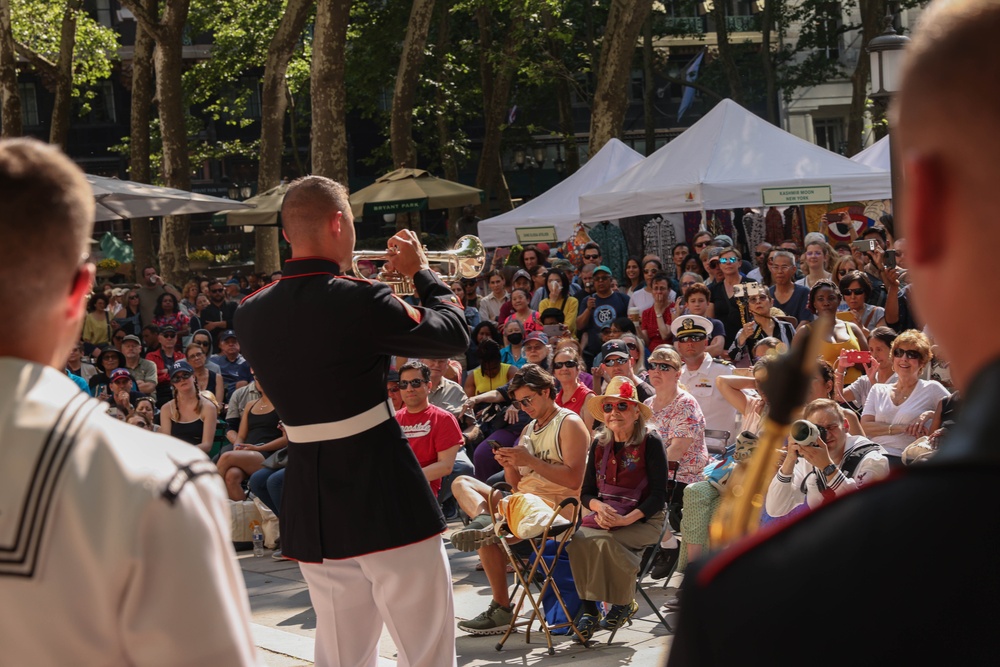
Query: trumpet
pixel 466 260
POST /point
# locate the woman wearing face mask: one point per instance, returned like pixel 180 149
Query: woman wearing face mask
pixel 513 333
pixel 559 298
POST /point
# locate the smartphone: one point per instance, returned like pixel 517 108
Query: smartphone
pixel 858 356
pixel 866 245
pixel 889 259
pixel 552 330
pixel 494 445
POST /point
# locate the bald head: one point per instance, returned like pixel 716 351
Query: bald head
pixel 308 202
pixel 946 134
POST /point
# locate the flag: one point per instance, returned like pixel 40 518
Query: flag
pixel 690 74
pixel 512 115
pixel 115 248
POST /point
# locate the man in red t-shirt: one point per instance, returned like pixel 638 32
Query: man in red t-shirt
pixel 433 433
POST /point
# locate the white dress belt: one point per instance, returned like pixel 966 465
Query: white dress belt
pixel 343 428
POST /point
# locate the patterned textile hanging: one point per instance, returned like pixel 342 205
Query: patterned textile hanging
pixel 659 238
pixel 692 225
pixel 774 226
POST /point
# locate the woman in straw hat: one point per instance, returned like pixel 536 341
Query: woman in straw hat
pixel 625 486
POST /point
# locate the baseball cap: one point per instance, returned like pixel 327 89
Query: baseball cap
pixel 132 337
pixel 604 268
pixel 521 273
pixel 181 367
pixel 119 372
pixel 393 376
pixel 233 281
pixel 228 333
pixel 616 347
pixel 537 335
pixel 170 328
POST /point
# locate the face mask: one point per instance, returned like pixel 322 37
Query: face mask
pixel 515 338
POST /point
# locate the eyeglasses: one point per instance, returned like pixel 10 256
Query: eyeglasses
pixel 166 334
pixel 688 284
pixel 899 353
pixel 661 367
pixel 119 338
pixel 602 277
pixel 701 244
pixel 729 260
pixel 393 389
pixel 556 365
pixel 133 296
pixel 617 361
pixel 180 377
pixel 591 256
pixel 781 267
pixel 196 355
pixel 415 384
pixel 696 338
pixel 538 347
pixel 631 346
pixel 523 403
pixel 854 292
pixel 621 406
pixel 760 298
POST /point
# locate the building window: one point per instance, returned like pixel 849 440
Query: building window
pixel 254 108
pixel 829 133
pixel 829 19
pixel 638 85
pixel 102 107
pixel 29 104
pixel 100 11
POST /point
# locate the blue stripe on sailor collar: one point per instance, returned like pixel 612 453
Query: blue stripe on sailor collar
pixel 310 265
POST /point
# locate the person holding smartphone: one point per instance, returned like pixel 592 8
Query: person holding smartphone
pixel 558 286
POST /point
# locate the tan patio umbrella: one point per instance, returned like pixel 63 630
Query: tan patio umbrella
pixel 407 190
pixel 265 211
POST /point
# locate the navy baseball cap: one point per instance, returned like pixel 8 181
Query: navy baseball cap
pixel 181 367
pixel 228 333
pixel 616 347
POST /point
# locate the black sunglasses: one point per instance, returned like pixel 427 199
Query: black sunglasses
pixel 853 292
pixel 591 256
pixel 406 384
pixel 617 361
pixel 180 377
pixel 621 406
pixel 899 353
pixel 556 365
pixel 661 367
pixel 696 338
pixel 168 334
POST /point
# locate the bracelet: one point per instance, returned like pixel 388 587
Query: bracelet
pixel 890 429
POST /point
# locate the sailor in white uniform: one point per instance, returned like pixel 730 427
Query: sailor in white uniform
pixel 114 541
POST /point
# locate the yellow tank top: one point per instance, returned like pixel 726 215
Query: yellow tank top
pixel 831 351
pixel 485 384
pixel 544 444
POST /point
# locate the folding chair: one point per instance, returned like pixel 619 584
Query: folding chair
pixel 672 467
pixel 526 579
pixel 721 439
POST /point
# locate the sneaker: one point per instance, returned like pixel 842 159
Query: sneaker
pixel 672 604
pixel 586 625
pixel 664 563
pixel 494 621
pixel 478 533
pixel 619 615
pixel 277 555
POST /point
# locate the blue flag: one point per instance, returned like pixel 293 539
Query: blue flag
pixel 690 74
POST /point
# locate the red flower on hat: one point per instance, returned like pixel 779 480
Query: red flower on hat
pixel 625 391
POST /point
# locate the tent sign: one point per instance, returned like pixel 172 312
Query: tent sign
pixel 817 194
pixel 527 235
pixel 398 206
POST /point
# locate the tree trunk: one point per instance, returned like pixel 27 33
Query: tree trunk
pixel 649 87
pixel 59 131
pixel 142 101
pixel 404 151
pixel 563 100
pixel 496 91
pixel 726 54
pixel 329 129
pixel 617 52
pixel 871 23
pixel 767 62
pixel 10 96
pixel 448 165
pixel 176 160
pixel 272 123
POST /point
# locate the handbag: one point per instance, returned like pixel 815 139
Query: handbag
pixel 277 460
pixel 620 498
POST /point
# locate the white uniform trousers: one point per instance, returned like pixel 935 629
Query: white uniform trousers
pixel 408 589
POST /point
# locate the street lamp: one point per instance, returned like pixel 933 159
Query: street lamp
pixel 233 191
pixel 539 156
pixel 246 191
pixel 519 157
pixel 886 52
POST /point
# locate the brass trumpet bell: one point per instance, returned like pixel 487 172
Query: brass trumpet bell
pixel 466 260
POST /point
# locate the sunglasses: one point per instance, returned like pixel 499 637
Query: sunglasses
pixel 393 389
pixel 415 384
pixel 661 367
pixel 728 260
pixel 133 296
pixel 180 377
pixel 196 355
pixel 523 403
pixel 591 256
pixel 854 292
pixel 701 244
pixel 564 364
pixel 899 353
pixel 621 406
pixel 759 254
pixel 120 338
pixel 687 284
pixel 617 361
pixel 169 335
pixel 758 299
pixel 696 338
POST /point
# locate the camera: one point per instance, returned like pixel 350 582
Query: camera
pixel 889 259
pixel 747 290
pixel 858 357
pixel 806 434
pixel 867 245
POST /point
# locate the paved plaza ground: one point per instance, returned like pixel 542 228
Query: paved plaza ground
pixel 285 624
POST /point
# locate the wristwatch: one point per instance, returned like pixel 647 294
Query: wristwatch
pixel 830 469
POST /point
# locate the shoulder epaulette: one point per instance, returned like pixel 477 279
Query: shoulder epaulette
pixel 720 360
pixel 185 473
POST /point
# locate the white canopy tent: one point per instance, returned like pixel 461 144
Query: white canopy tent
pixel 876 155
pixel 733 159
pixel 559 206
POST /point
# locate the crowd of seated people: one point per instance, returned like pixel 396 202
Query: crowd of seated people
pixel 660 364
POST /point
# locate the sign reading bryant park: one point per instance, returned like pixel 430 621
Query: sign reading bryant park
pixel 527 235
pixel 814 194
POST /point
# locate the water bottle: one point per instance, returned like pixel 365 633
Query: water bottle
pixel 258 540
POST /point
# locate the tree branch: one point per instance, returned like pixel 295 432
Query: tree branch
pixel 149 22
pixel 45 67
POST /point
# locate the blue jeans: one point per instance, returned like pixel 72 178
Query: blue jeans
pixel 267 485
pixel 463 466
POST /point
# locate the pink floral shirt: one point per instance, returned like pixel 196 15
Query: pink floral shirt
pixel 683 419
